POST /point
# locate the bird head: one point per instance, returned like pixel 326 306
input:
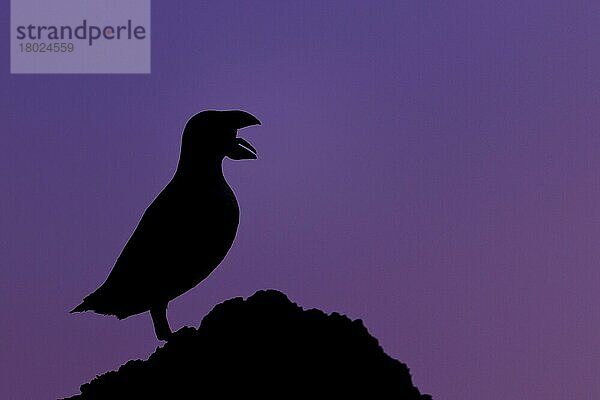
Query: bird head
pixel 214 133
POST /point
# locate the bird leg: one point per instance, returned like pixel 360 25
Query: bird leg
pixel 161 324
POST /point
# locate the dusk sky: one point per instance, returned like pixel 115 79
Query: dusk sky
pixel 429 167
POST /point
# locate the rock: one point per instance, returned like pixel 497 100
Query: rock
pixel 266 347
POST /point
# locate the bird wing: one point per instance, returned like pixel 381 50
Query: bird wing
pixel 135 279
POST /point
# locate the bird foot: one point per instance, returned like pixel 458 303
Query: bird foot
pixel 161 324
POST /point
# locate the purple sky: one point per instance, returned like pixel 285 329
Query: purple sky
pixel 427 167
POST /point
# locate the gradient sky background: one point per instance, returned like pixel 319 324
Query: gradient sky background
pixel 429 167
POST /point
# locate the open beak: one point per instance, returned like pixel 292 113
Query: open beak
pixel 241 149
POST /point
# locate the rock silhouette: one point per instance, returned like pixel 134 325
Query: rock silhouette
pixel 263 347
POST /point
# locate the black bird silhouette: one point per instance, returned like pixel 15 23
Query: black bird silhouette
pixel 187 230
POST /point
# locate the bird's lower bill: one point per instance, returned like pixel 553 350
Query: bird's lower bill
pixel 241 150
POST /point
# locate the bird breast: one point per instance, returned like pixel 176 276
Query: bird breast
pixel 205 230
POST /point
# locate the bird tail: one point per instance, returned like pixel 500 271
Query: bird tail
pixel 89 302
pixel 97 302
pixel 80 308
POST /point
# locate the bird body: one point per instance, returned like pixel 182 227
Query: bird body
pixel 175 246
pixel 182 236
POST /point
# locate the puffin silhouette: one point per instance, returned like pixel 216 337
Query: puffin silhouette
pixel 187 230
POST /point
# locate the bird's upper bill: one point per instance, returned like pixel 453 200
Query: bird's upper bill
pixel 241 149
